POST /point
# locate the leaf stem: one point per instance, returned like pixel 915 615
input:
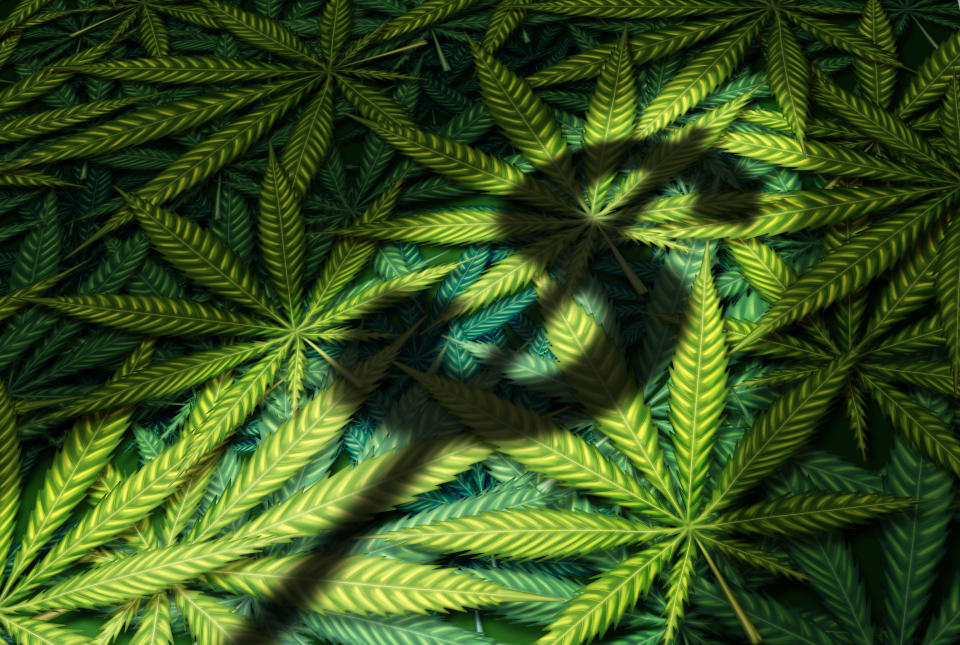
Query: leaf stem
pixel 98 23
pixel 635 282
pixel 435 365
pixel 444 65
pixel 752 634
pixel 419 43
pixel 932 42
pixel 343 371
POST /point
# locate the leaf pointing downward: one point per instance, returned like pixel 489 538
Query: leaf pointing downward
pixel 789 74
pixel 914 542
pixel 599 604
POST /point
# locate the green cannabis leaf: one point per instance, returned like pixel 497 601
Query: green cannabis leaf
pixel 574 211
pixel 669 522
pixel 913 546
pixel 473 322
pixel 787 68
pixel 277 327
pixel 166 544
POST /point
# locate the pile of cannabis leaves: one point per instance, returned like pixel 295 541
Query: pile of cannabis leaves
pixel 442 322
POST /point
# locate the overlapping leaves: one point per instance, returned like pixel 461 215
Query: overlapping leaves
pixel 667 523
pixel 136 136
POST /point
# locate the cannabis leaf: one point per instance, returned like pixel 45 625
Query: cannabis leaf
pixel 586 208
pixel 667 522
pixel 876 358
pixel 787 67
pixel 168 542
pixel 632 253
pixel 312 77
pixel 277 326
pixel 913 546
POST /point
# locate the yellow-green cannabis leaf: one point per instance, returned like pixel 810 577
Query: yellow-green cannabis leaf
pixel 670 516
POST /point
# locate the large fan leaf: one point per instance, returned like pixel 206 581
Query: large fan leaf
pixel 259 31
pixel 9 472
pixel 810 513
pixel 86 450
pixel 914 541
pixel 535 441
pixel 932 78
pixel 368 585
pixel 373 486
pixel 609 122
pixel 850 266
pixel 948 293
pixel 876 80
pixel 779 432
pixel 596 371
pixel 155 315
pixel 788 73
pixel 291 447
pixel 523 117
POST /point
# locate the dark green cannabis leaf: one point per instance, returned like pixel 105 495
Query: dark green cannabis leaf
pixel 787 69
pixel 913 547
pixel 280 328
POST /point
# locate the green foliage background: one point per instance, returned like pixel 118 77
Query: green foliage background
pixel 479 321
